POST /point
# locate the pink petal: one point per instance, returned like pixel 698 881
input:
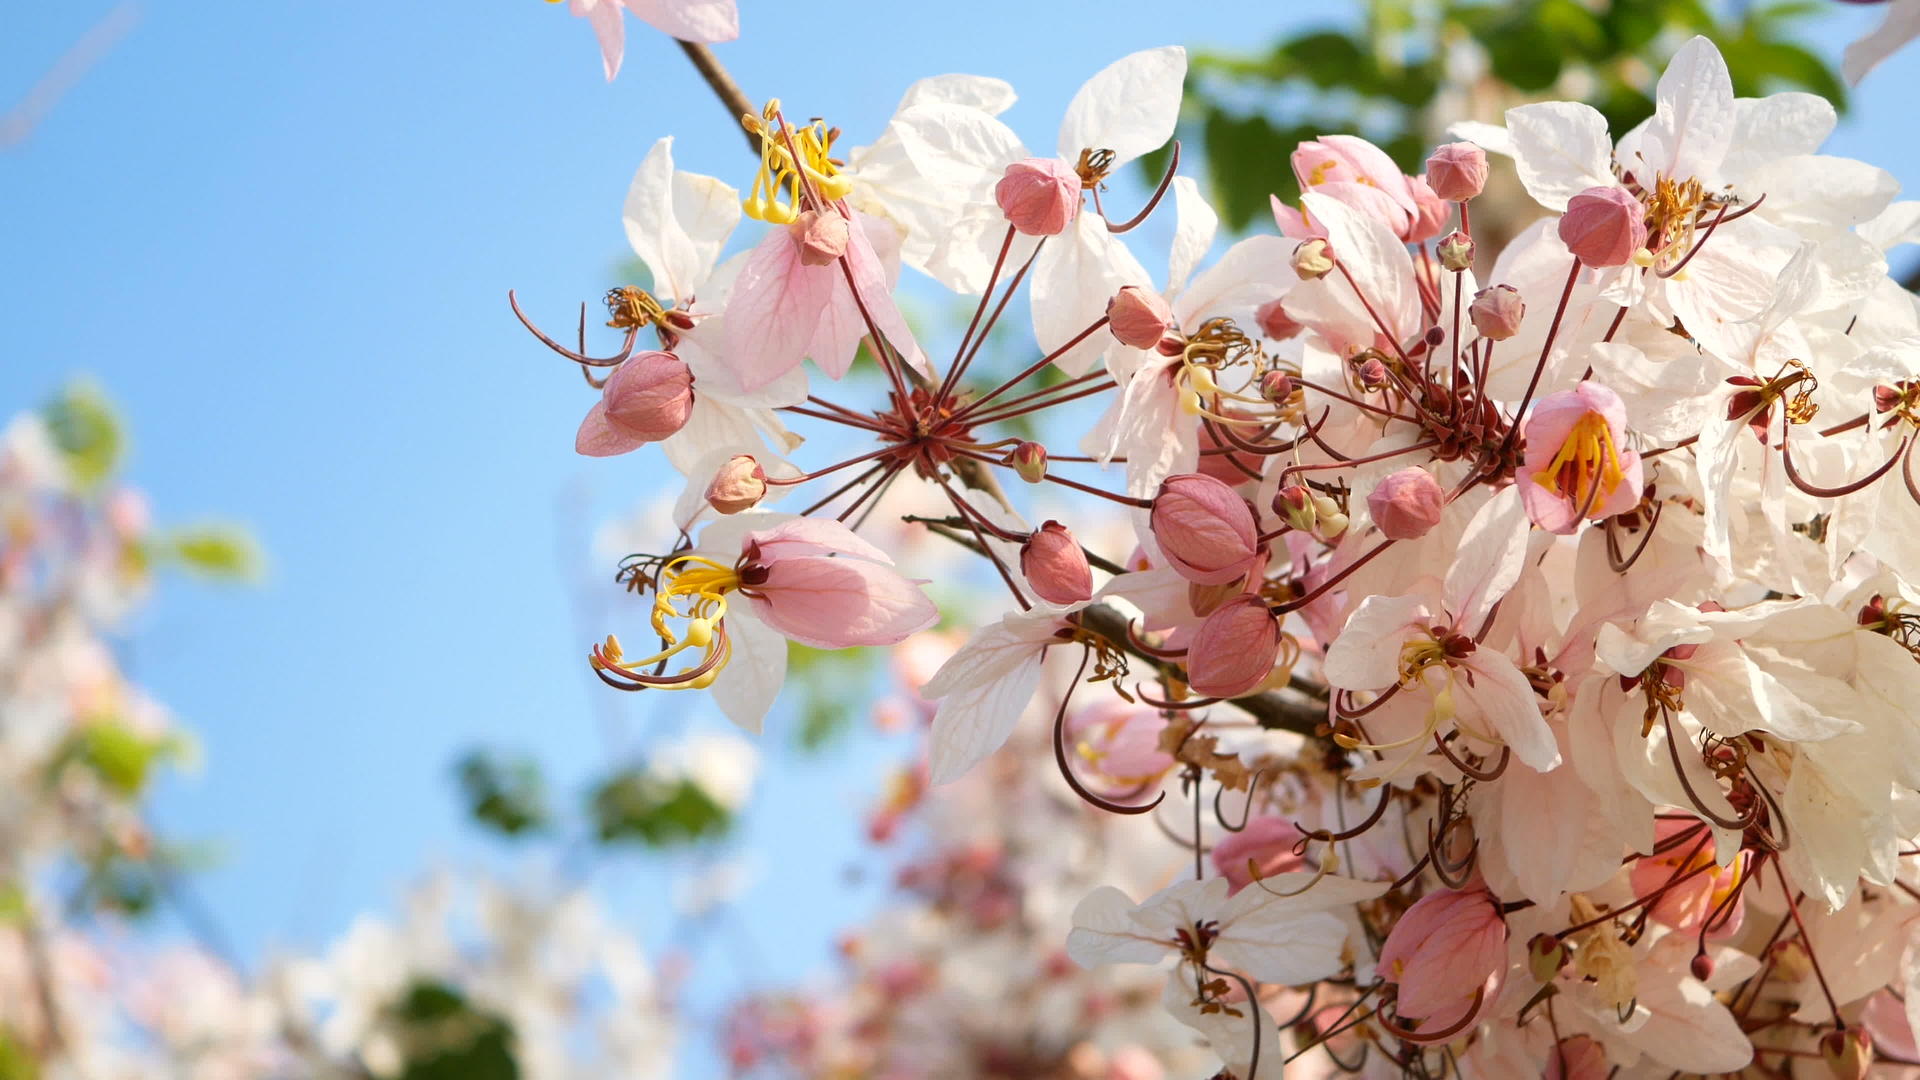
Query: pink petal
pixel 833 603
pixel 609 26
pixel 601 437
pixel 704 21
pixel 812 536
pixel 771 315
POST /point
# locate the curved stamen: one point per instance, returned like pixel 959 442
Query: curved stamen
pixel 1066 769
pixel 1506 752
pixel 626 348
pixel 1166 182
pixel 1819 492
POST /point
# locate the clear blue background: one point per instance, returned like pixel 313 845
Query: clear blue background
pixel 281 235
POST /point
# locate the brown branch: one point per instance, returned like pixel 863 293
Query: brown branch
pixel 733 98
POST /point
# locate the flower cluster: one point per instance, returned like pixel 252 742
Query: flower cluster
pixel 1545 614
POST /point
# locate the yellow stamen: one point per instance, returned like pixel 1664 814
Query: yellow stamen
pixel 1588 458
pixel 816 171
pixel 693 591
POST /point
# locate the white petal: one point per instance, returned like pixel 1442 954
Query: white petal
pixel 1779 125
pixel 1076 275
pixel 988 95
pixel 1193 229
pixel 1500 697
pixel 1284 946
pixel 1252 272
pixel 1493 551
pixel 982 690
pixel 1375 259
pixel 747 687
pixel 1129 108
pixel 1560 149
pixel 677 221
pixel 1366 655
pixel 1693 115
pixel 1106 932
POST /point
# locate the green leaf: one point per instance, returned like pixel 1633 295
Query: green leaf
pixel 120 756
pixel 16 1061
pixel 505 793
pixel 88 432
pixel 443 1036
pixel 1242 166
pixel 634 806
pixel 221 552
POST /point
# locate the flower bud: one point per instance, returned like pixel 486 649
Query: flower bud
pixel 1293 504
pixel 739 485
pixel 1447 947
pixel 1457 171
pixel 645 400
pixel 1263 848
pixel 1456 251
pixel 1138 317
pixel 1496 312
pixel 1055 566
pixel 1276 387
pixel 1373 374
pixel 1546 955
pixel 1274 321
pixel 821 236
pixel 1029 459
pixel 1407 504
pixel 1234 649
pixel 1604 226
pixel 1577 1058
pixel 1701 967
pixel 1432 215
pixel 1848 1054
pixel 1039 196
pixel 1312 259
pixel 1204 528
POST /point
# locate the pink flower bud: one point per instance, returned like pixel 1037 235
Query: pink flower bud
pixel 1029 459
pixel 1456 251
pixel 1294 505
pixel 1457 171
pixel 1407 504
pixel 1274 320
pixel 1577 1058
pixel 1055 566
pixel 739 485
pixel 1604 226
pixel 1432 215
pixel 1312 259
pixel 1234 649
pixel 1496 312
pixel 645 400
pixel 821 236
pixel 1205 529
pixel 1262 849
pixel 1040 196
pixel 1446 948
pixel 1373 374
pixel 1138 317
pixel 1276 387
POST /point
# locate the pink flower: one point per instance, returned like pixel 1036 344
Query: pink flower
pixel 1055 566
pixel 1262 849
pixel 1205 529
pixel 689 20
pixel 1604 226
pixel 1120 742
pixel 788 304
pixel 1446 949
pixel 1575 467
pixel 645 400
pixel 1407 504
pixel 739 485
pixel 1357 173
pixel 817 583
pixel 1235 648
pixel 1040 196
pixel 1687 905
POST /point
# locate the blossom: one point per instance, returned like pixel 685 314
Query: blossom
pixel 688 20
pixel 1577 465
pixel 804 579
pixel 1445 955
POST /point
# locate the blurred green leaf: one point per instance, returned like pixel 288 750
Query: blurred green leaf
pixel 16 1061
pixel 634 806
pixel 443 1036
pixel 88 432
pixel 504 792
pixel 220 551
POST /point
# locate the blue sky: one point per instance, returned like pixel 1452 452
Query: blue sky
pixel 280 235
